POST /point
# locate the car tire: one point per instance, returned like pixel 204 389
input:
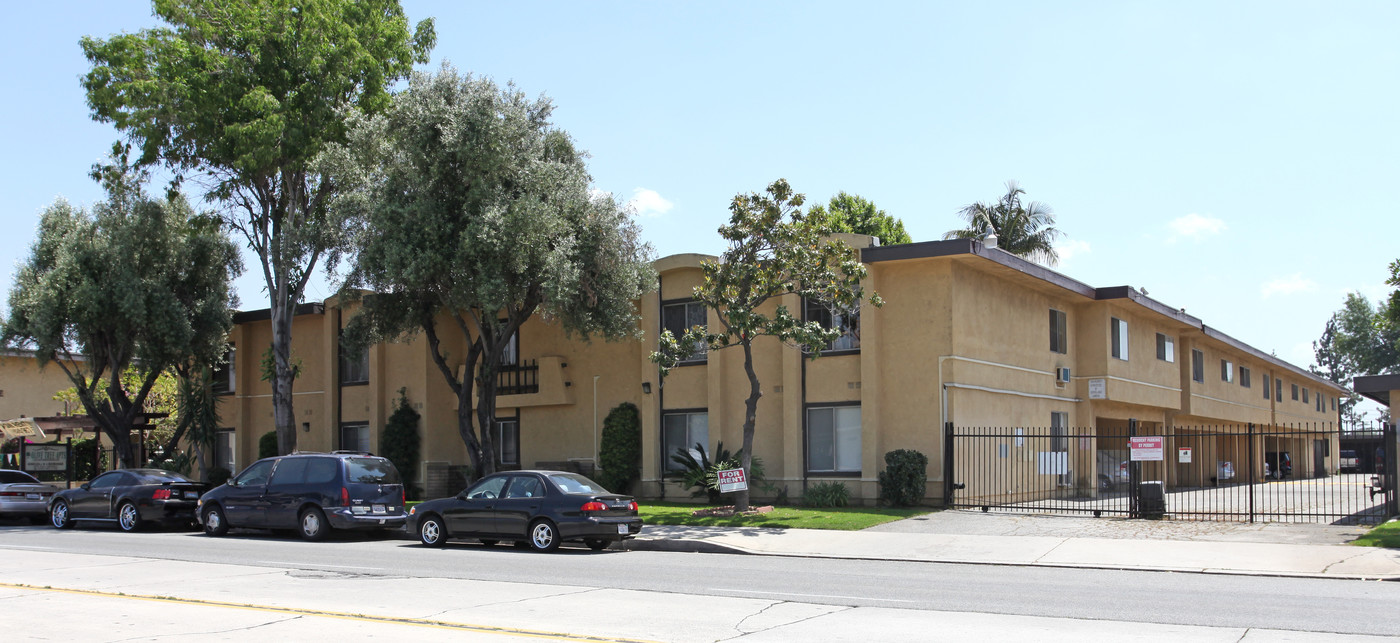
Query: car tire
pixel 489 542
pixel 312 525
pixel 59 516
pixel 544 536
pixel 597 544
pixel 129 517
pixel 432 532
pixel 215 524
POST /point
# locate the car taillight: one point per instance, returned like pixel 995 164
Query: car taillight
pixel 344 497
pixel 161 494
pixel 403 497
pixel 633 506
pixel 10 494
pixel 594 506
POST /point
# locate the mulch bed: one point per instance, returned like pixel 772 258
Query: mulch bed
pixel 728 510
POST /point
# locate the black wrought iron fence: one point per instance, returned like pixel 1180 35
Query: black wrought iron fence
pixel 1230 473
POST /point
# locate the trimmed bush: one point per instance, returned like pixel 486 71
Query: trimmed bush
pixel 400 443
pixel 902 481
pixel 620 453
pixel 218 476
pixel 826 494
pixel 267 445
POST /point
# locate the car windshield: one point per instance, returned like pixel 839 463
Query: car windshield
pixel 575 483
pixel 160 477
pixel 371 471
pixel 16 477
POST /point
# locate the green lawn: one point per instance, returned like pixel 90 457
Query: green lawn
pixel 843 519
pixel 1385 535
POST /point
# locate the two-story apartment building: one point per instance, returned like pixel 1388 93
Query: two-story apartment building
pixel 968 335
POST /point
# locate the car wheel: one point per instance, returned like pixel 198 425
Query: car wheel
pixel 129 517
pixel 58 516
pixel 313 524
pixel 431 532
pixel 214 522
pixel 597 544
pixel 488 542
pixel 544 536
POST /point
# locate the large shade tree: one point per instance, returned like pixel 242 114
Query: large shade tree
pixel 774 249
pixel 474 215
pixel 119 294
pixel 1025 229
pixel 243 95
pixel 854 213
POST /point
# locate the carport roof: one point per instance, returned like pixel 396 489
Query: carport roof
pixel 1376 387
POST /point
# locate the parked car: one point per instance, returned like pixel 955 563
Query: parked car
pixel 1349 463
pixel 1278 465
pixel 1113 469
pixel 131 498
pixel 23 496
pixel 312 493
pixel 540 508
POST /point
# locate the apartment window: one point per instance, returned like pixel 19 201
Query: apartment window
pixel 223 450
pixel 354 437
pixel 1321 402
pixel 1166 348
pixel 845 321
pixel 354 365
pixel 1295 392
pixel 224 372
pixel 1305 395
pixel 833 439
pixel 511 355
pixel 1198 366
pixel 1059 340
pixel 683 431
pixel 506 436
pixel 1120 338
pixel 1266 386
pixel 681 317
pixel 1334 404
pixel 1244 377
pixel 1278 387
pixel 1227 371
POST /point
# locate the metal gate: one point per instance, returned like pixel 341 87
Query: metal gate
pixel 1253 474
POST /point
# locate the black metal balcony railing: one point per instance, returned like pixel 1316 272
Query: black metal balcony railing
pixel 518 379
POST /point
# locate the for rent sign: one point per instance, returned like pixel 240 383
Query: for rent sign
pixel 731 480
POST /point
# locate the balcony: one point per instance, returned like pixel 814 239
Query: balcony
pixel 539 382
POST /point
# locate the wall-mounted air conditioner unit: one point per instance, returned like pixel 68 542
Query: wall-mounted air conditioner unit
pixel 1062 375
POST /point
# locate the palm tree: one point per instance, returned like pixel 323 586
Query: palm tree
pixel 1026 230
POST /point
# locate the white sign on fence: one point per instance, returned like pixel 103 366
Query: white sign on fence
pixel 731 480
pixel 45 457
pixel 1053 463
pixel 1183 455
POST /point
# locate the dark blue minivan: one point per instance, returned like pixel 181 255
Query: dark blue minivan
pixel 312 493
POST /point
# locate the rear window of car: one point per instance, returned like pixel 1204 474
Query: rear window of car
pixel 160 477
pixel 16 477
pixel 371 471
pixel 574 483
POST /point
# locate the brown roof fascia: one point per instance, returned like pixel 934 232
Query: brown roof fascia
pixel 265 314
pixel 1376 387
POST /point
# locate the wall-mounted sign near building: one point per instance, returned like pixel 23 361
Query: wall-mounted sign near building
pixel 731 480
pixel 45 457
pixel 1145 449
pixel 1098 389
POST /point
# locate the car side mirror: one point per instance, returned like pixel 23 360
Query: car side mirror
pixel 87 486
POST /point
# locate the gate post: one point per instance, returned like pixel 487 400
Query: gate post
pixel 947 465
pixel 1134 476
pixel 1250 486
pixel 1392 468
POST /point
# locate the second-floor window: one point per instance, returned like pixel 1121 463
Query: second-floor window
pixel 1295 392
pixel 1266 386
pixel 681 317
pixel 1227 371
pixel 846 322
pixel 354 365
pixel 225 373
pixel 1119 337
pixel 1059 339
pixel 1244 377
pixel 1305 396
pixel 1198 366
pixel 1278 389
pixel 1166 348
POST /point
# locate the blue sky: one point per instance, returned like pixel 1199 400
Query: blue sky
pixel 1236 159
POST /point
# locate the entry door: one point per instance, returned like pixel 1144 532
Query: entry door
pixel 1319 458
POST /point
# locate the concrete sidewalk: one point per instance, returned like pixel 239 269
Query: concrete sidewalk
pixel 1252 558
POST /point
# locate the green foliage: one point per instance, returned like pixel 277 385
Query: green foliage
pixel 1026 230
pixel 853 213
pixel 118 294
pixel 267 445
pixel 400 442
pixel 844 519
pixel 902 482
pixel 774 250
pixel 826 494
pixel 620 453
pixel 267 366
pixel 702 474
pixel 218 476
pixel 1359 339
pixel 89 458
pixel 471 214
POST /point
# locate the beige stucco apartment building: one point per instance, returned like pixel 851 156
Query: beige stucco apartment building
pixel 969 335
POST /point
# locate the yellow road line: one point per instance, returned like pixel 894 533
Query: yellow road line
pixel 489 629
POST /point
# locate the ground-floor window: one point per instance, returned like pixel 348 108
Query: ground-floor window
pixel 507 440
pixel 683 430
pixel 833 439
pixel 223 450
pixel 354 437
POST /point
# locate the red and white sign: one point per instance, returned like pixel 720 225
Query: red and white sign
pixel 1145 449
pixel 731 480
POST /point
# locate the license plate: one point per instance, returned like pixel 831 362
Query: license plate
pixel 622 529
pixel 191 494
pixel 379 509
pixel 31 496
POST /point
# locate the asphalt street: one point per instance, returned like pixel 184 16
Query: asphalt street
pixel 1301 605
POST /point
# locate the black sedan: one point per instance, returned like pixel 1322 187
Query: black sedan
pixel 131 498
pixel 540 508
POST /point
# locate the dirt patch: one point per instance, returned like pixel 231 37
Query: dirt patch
pixel 728 510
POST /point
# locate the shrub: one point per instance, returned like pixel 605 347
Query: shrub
pixel 267 445
pixel 702 475
pixel 400 443
pixel 620 454
pixel 902 481
pixel 826 494
pixel 218 476
pixel 89 459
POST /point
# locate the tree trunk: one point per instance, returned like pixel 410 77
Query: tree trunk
pixel 741 499
pixel 486 415
pixel 123 448
pixel 283 415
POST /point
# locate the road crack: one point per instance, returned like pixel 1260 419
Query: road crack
pixel 524 599
pixel 742 634
pixel 148 637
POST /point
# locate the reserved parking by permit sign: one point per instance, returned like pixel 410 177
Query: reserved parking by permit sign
pixel 1145 449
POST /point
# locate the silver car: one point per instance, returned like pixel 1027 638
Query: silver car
pixel 23 496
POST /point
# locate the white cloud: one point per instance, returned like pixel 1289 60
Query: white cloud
pixel 1195 227
pixel 1290 285
pixel 648 203
pixel 1071 249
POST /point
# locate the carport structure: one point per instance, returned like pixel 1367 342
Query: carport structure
pixel 1385 390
